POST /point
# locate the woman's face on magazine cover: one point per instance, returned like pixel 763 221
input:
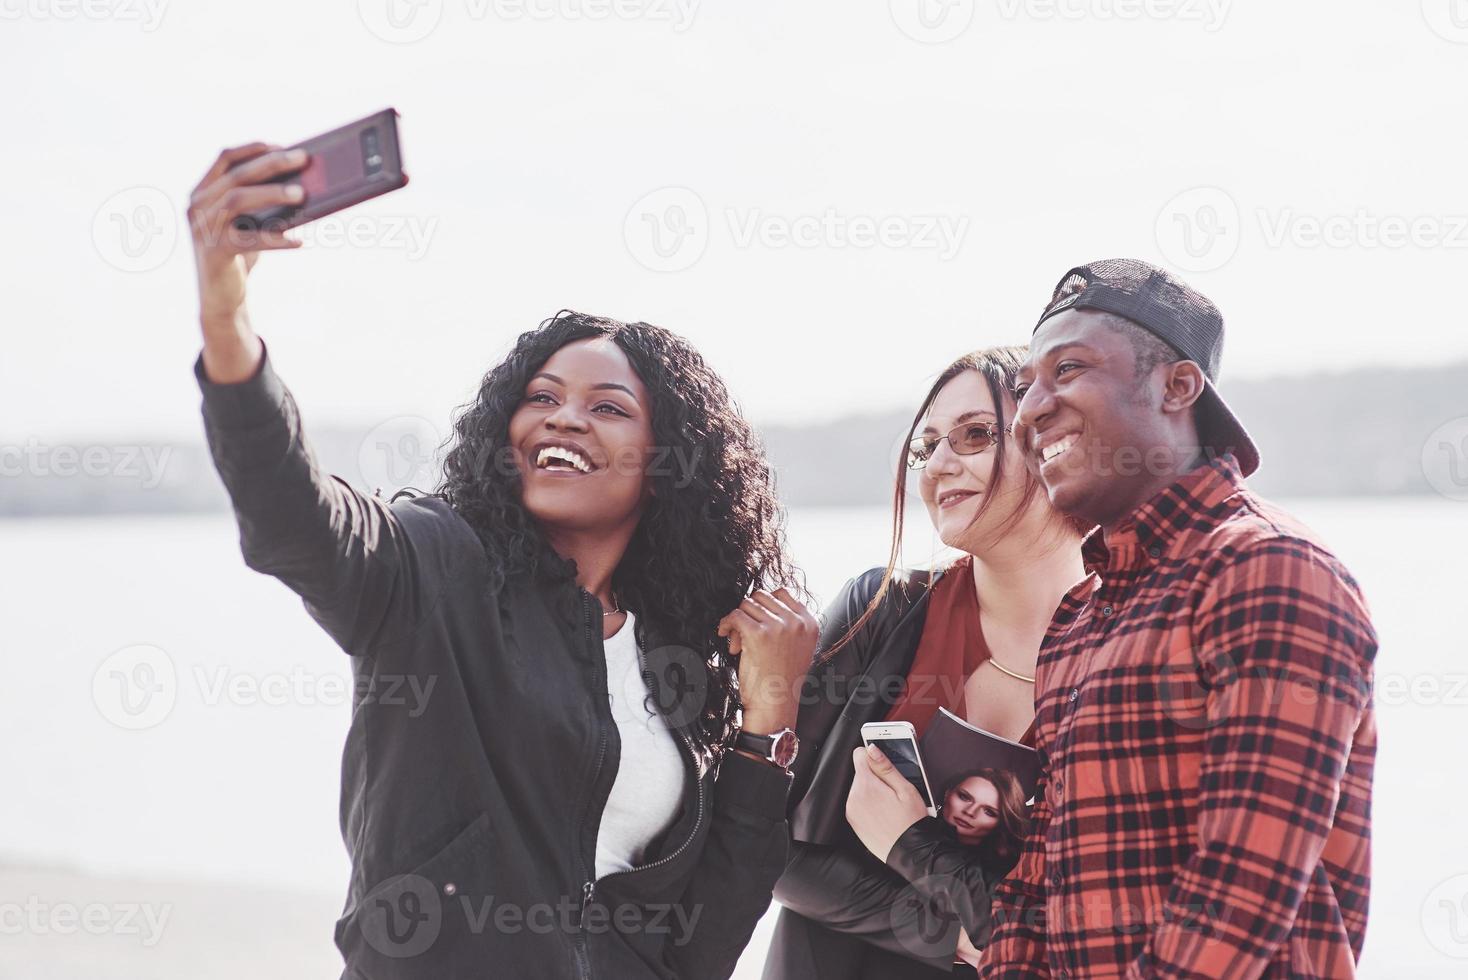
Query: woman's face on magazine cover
pixel 972 809
pixel 952 486
pixel 582 438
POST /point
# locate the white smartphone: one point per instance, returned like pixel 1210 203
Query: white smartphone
pixel 898 741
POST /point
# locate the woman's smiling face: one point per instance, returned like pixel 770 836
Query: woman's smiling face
pixel 953 486
pixel 582 438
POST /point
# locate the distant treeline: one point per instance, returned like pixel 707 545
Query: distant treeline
pixel 1358 433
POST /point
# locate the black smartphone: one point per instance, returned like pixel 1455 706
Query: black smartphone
pixel 349 165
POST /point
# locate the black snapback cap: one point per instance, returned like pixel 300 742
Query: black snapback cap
pixel 1169 308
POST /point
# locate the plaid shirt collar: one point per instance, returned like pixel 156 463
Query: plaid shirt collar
pixel 1188 507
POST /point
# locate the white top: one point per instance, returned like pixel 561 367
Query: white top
pixel 648 790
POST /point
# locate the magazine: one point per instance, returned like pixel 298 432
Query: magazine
pixel 951 746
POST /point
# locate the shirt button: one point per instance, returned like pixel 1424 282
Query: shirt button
pixel 1075 692
pixel 1055 880
pixel 1155 551
pixel 450 888
pixel 1106 610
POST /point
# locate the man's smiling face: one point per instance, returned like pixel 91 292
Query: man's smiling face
pixel 1089 424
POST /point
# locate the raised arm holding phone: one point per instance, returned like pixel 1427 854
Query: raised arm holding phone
pixel 579 796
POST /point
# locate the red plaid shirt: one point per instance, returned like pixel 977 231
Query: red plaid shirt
pixel 1203 707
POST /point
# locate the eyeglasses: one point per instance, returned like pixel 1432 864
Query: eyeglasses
pixel 966 440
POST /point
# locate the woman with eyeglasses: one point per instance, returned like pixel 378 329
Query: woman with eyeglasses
pixel 869 890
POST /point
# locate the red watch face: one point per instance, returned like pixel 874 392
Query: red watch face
pixel 782 753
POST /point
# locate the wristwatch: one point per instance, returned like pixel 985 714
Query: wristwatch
pixel 778 747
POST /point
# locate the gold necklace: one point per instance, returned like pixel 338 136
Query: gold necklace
pixel 1005 670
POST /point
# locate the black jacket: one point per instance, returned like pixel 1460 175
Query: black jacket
pixel 481 748
pixel 846 914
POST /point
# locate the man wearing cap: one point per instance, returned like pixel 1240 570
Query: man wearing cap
pixel 1203 697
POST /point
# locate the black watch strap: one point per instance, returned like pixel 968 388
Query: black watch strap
pixel 778 748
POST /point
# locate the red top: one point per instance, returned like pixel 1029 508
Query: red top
pixel 951 648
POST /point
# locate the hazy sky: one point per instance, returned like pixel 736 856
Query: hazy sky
pixel 830 199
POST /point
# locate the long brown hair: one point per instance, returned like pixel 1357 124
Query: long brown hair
pixel 1000 849
pixel 998 366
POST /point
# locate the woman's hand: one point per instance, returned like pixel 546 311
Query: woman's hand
pixel 224 254
pixel 881 804
pixel 775 637
pixel 966 953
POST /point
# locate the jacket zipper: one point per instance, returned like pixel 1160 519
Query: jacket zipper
pixel 583 953
pixel 588 889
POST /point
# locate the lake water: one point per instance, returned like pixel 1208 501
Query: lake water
pixel 238 781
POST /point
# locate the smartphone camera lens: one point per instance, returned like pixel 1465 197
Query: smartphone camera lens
pixel 371 152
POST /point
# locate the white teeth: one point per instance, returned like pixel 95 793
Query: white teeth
pixel 558 452
pixel 1050 452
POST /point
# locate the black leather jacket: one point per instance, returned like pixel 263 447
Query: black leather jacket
pixel 482 749
pixel 842 908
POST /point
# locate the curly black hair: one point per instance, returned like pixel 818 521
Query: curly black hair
pixel 712 531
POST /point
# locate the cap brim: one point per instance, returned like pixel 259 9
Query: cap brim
pixel 1220 430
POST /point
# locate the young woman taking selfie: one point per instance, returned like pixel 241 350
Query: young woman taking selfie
pixel 597 584
pixel 897 645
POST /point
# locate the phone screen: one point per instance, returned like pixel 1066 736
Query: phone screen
pixel 904 755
